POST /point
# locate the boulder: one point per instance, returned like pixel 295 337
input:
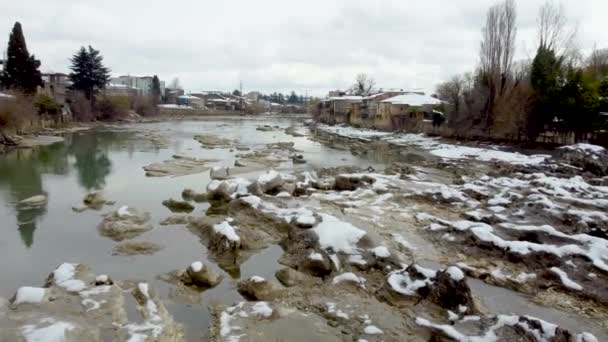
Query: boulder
pixel 220 173
pixel 290 277
pixel 95 200
pixel 201 275
pixel 298 159
pixel 238 163
pixel 125 223
pixel 591 158
pixel 257 288
pixel 450 291
pixel 176 219
pixel 270 181
pixel 129 248
pixel 178 206
pixel 316 264
pixel 351 183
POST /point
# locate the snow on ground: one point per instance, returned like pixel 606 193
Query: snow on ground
pixel 262 309
pixel 348 277
pixel 569 283
pixel 587 148
pixel 47 330
pixel 29 295
pixel 64 277
pixel 434 146
pixel 227 230
pixel 339 235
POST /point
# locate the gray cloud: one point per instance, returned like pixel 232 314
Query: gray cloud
pixel 275 45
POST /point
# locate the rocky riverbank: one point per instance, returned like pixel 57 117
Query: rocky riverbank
pixel 449 243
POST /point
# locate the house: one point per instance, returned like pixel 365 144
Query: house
pixel 192 101
pixel 337 109
pixel 142 84
pixel 113 89
pixel 364 112
pixel 56 86
pixel 407 111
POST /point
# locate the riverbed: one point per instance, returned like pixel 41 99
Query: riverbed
pixel 111 159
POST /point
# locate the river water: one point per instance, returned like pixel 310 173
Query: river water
pixel 35 241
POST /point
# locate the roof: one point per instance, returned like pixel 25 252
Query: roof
pixel 346 98
pixel 413 99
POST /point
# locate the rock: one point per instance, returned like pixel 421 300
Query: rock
pixel 451 291
pixel 136 248
pixel 178 206
pixel 298 159
pixel 37 200
pixel 84 307
pixel 264 128
pixel 238 163
pixel 125 223
pixel 399 169
pixel 212 141
pixel 270 181
pixel 94 200
pixel 317 264
pixel 257 288
pixel 590 158
pixel 178 166
pixel 176 219
pixel 191 195
pixel 290 277
pixel 255 189
pixel 351 183
pixel 201 275
pixel 220 173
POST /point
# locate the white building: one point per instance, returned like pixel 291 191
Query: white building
pixel 142 84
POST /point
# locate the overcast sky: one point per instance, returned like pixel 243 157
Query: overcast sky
pixel 279 45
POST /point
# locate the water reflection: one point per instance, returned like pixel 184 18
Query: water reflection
pixel 92 162
pixel 22 172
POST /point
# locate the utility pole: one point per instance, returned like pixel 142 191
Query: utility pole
pixel 241 97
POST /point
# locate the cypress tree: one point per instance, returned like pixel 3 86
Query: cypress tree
pixel 88 75
pixel 156 94
pixel 21 70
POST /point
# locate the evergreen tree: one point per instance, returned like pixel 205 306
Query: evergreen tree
pixel 545 80
pixel 293 98
pixel 603 94
pixel 21 70
pixel 88 75
pixel 236 92
pixel 579 102
pixel 156 94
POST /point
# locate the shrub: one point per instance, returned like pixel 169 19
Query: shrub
pixel 112 107
pixel 144 106
pixel 46 105
pixel 17 113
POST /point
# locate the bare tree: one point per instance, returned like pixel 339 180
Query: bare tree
pixel 175 84
pixel 364 85
pixel 496 54
pixel 451 92
pixel 553 33
pixel 597 63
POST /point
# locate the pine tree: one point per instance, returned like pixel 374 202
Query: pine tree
pixel 88 73
pixel 21 70
pixel 156 94
pixel 545 80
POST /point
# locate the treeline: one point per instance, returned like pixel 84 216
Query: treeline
pixel 558 90
pixel 86 100
pixel 280 98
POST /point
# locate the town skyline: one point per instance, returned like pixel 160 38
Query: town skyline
pixel 272 49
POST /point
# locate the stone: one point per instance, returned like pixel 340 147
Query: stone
pixel 238 163
pixel 290 277
pixel 298 159
pixel 316 264
pixel 257 288
pixel 351 183
pixel 201 275
pixel 270 181
pixel 220 173
pixel 136 248
pixel 178 206
pixel 176 219
pixel 124 223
